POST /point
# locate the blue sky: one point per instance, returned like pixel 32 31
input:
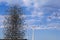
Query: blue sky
pixel 44 14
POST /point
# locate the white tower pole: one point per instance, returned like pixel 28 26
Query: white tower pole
pixel 32 34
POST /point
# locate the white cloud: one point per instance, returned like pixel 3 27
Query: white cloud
pixel 12 1
pixel 40 14
pixel 59 17
pixel 37 14
pixel 31 21
pixel 54 15
pixel 36 4
pixel 40 3
pixel 9 1
pixel 40 27
pixel 27 2
pixel 54 3
pixel 54 25
pixel 1 26
pixel 1 18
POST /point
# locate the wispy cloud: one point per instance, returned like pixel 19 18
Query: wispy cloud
pixel 42 27
pixel 39 10
pixel 1 18
pixel 54 25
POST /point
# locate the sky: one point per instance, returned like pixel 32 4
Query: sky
pixel 44 14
